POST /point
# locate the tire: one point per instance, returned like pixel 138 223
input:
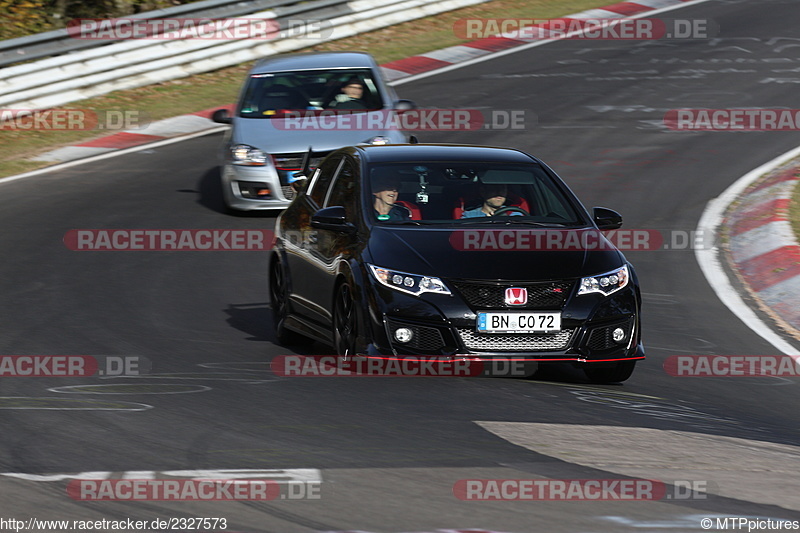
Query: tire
pixel 279 297
pixel 613 374
pixel 345 320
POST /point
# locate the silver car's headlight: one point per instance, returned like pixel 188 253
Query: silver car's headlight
pixel 410 283
pixel 607 283
pixel 244 154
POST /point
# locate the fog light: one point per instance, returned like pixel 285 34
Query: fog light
pixel 403 335
pixel 262 192
pixel 618 335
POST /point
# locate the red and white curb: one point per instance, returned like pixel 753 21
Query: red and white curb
pixel 763 246
pixel 394 71
pixel 156 131
pixel 446 57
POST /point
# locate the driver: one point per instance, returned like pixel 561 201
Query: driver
pixel 351 95
pixel 494 198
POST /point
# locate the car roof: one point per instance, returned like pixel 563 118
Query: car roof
pixel 396 153
pixel 313 61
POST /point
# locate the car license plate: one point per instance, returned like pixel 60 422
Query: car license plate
pixel 489 322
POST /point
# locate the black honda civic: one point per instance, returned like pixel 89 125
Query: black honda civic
pixel 453 252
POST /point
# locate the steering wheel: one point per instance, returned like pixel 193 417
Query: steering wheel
pixel 511 209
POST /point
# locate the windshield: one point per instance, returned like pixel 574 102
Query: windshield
pixel 271 95
pixel 459 193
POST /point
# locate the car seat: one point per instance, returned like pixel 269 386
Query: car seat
pixel 416 212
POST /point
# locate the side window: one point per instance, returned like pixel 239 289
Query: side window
pixel 319 188
pixel 345 190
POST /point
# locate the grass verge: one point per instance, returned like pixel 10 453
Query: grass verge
pixel 794 211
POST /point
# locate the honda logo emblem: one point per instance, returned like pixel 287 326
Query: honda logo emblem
pixel 516 296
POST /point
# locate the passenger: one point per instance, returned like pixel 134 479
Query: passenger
pixel 494 198
pixel 386 210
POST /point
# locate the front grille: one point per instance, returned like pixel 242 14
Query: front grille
pixel 601 339
pixel 541 295
pixel 515 342
pixel 426 339
pixel 288 192
pixel 294 162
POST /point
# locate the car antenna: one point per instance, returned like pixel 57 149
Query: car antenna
pixel 305 167
pixel 301 176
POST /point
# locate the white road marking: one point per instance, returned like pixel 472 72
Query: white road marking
pixel 762 472
pixel 107 389
pixel 289 475
pixel 520 48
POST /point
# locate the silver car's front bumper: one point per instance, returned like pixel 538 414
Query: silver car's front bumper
pixel 266 176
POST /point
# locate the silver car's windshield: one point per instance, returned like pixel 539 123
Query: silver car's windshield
pixel 270 95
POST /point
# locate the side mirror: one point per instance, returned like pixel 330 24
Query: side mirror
pixel 332 218
pixel 404 105
pixel 222 116
pixel 606 218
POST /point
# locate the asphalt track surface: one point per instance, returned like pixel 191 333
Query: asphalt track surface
pixel 389 451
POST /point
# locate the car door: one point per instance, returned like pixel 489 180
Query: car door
pixel 301 240
pixel 333 247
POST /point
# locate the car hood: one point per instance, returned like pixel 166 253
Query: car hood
pixel 277 136
pixel 437 252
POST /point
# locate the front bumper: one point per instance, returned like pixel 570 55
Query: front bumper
pixel 445 327
pixel 235 178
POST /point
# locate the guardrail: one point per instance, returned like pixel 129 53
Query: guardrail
pixel 59 42
pixel 106 67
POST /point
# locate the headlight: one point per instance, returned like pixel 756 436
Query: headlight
pixel 244 154
pixel 607 283
pixel 409 283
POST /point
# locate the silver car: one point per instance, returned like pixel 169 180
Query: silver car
pixel 292 103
